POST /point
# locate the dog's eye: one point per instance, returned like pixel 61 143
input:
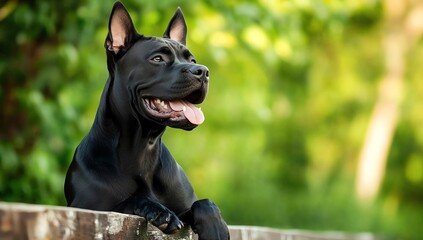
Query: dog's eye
pixel 193 60
pixel 157 59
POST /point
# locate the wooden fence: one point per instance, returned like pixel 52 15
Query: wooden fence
pixel 40 222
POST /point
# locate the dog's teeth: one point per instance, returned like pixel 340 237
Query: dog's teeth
pixel 183 109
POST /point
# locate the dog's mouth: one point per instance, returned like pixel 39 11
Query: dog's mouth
pixel 175 110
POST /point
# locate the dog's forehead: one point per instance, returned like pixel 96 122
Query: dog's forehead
pixel 159 42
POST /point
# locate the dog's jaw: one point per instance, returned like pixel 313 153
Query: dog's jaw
pixel 176 113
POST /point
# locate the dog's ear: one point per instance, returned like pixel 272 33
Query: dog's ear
pixel 177 28
pixel 121 29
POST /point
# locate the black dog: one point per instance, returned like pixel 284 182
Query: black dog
pixel 122 164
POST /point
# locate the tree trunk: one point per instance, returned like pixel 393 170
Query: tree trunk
pixel 401 31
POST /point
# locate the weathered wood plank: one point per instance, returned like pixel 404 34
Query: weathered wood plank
pixel 264 233
pixel 25 221
pixel 38 222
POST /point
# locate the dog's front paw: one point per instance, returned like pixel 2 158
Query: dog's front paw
pixel 208 223
pixel 159 216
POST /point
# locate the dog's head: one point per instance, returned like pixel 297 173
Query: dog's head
pixel 156 78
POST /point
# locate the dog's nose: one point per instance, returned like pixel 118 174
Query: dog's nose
pixel 200 72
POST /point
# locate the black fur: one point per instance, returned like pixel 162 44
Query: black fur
pixel 122 164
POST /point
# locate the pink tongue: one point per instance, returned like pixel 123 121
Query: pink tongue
pixel 192 113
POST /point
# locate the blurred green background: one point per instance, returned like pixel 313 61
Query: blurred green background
pixel 295 86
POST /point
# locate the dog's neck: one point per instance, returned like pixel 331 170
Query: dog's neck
pixel 139 140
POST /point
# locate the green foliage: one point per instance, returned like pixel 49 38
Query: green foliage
pixel 292 87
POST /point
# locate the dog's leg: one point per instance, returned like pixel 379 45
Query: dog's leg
pixel 203 215
pixel 154 212
pixel 206 220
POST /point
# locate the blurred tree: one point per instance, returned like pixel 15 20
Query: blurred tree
pixel 43 78
pixel 399 38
